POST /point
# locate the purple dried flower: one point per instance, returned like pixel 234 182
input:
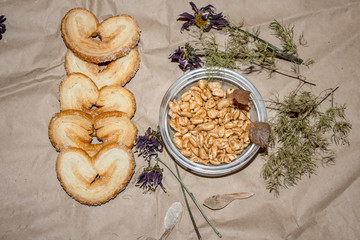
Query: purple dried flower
pixel 186 58
pixel 205 18
pixel 149 145
pixel 2 25
pixel 150 179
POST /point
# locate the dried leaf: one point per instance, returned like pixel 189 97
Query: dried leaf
pixel 220 201
pixel 240 96
pixel 259 133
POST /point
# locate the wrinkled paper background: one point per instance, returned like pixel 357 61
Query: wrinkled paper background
pixel 33 204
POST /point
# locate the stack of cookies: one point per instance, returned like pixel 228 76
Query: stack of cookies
pixel 93 131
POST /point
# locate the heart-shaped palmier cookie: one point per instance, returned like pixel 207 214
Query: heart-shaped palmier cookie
pixel 78 92
pixel 115 98
pixel 115 126
pixel 99 43
pixel 118 72
pixel 73 128
pixel 95 180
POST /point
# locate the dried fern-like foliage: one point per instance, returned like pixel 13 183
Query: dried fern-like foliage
pixel 301 136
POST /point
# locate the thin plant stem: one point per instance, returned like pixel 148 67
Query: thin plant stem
pixel 187 205
pixel 193 198
pixel 312 109
pixel 279 53
pixel 330 93
pixel 298 77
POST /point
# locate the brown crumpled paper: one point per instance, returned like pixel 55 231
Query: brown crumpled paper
pixel 34 206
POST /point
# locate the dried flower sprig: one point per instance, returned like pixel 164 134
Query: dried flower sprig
pixel 2 25
pixel 148 146
pixel 301 135
pixel 204 18
pixel 151 178
pixel 186 58
pixel 242 46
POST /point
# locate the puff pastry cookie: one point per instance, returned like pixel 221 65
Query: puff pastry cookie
pixel 118 72
pixel 79 92
pixel 73 128
pixel 95 180
pixel 117 35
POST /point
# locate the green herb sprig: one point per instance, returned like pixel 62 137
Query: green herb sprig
pixel 245 50
pixel 301 136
